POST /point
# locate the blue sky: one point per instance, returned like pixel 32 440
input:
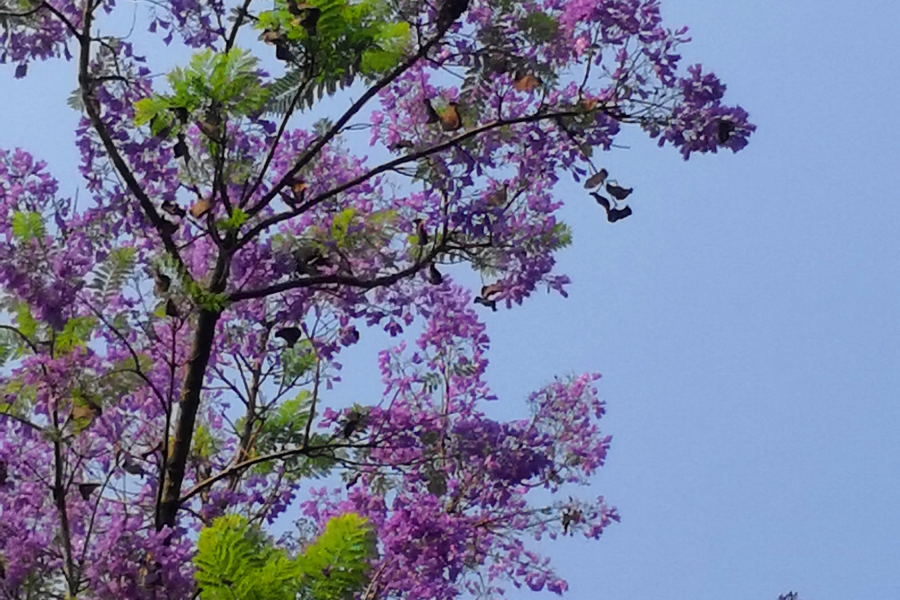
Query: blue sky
pixel 745 319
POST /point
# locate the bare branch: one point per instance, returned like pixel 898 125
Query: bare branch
pixel 356 282
pixel 302 451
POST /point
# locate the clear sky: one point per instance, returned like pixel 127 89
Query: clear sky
pixel 745 319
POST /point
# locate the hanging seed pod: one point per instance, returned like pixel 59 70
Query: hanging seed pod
pixel 291 335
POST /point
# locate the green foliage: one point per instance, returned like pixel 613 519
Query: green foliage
pixel 113 272
pixel 282 90
pixel 286 427
pixel 204 445
pixel 205 299
pixel 286 424
pixel 10 345
pixel 217 82
pixel 350 40
pixel 375 231
pixel 90 408
pixel 539 27
pixel 558 238
pixel 123 379
pixel 485 260
pixel 25 321
pixel 75 334
pixel 334 566
pixel 340 224
pixel 298 361
pixel 27 226
pixel 235 561
pixel 234 222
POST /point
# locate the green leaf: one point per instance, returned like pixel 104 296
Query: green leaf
pixel 234 222
pixel 334 566
pixel 25 321
pixel 341 224
pixel 228 81
pixel 27 226
pixel 114 271
pixel 204 445
pixel 298 361
pixel 75 334
pixel 235 560
pixel 539 27
pixel 146 109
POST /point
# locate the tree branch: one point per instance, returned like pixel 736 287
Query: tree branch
pixel 393 164
pixel 345 118
pixel 338 279
pixel 238 22
pixel 189 403
pixel 302 451
pixel 59 499
pixel 85 82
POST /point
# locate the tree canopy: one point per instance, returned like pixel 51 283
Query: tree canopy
pixel 168 338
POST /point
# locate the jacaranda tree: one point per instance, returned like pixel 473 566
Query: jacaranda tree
pixel 168 338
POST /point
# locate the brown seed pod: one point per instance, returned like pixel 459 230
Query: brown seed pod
pixel 596 179
pixel 526 82
pixel 201 207
pixel 450 119
pixel 171 308
pixel 421 232
pixel 432 115
pixel 291 335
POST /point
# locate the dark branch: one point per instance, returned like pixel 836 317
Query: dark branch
pixel 356 282
pixel 370 93
pixel 309 451
pixel 85 82
pixel 239 20
pixel 393 164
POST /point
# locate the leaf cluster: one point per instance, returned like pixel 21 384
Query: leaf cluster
pixel 237 561
pixel 350 40
pixel 217 83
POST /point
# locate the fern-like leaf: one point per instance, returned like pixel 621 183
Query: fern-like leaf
pixel 335 565
pixel 112 274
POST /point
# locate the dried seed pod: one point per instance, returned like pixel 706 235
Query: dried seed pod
pixel 283 53
pixel 492 304
pixel 211 131
pixel 618 192
pixel 433 275
pixel 432 115
pixel 401 145
pixel 597 179
pixel 490 290
pixel 526 82
pixel 86 489
pixel 201 207
pixel 421 232
pixel 173 209
pixel 161 283
pixel 171 308
pixel 450 119
pixel 617 214
pixel 291 335
pixel 181 149
pixel 450 11
pixel 724 130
